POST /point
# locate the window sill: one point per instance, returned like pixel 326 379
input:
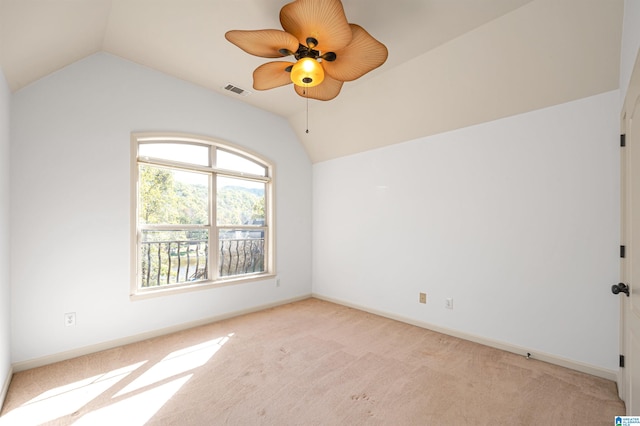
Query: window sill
pixel 150 292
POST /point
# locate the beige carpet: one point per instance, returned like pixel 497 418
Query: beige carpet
pixel 308 363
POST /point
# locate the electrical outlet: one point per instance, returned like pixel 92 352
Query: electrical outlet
pixel 70 319
pixel 423 297
pixel 448 303
pixel 277 281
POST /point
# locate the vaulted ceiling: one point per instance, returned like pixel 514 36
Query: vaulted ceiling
pixel 452 63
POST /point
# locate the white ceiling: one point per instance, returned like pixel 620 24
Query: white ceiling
pixel 452 63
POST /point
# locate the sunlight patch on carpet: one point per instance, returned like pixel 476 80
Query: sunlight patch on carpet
pixel 135 410
pixel 67 399
pixel 175 363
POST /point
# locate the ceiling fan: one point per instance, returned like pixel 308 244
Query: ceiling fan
pixel 328 50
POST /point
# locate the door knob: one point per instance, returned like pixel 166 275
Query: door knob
pixel 620 288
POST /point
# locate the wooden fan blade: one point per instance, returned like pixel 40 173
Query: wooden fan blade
pixel 323 20
pixel 263 43
pixel 271 75
pixel 325 91
pixel 362 55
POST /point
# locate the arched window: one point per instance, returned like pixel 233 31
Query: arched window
pixel 202 213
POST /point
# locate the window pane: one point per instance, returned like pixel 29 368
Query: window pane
pixel 228 161
pixel 173 257
pixel 183 183
pixel 173 197
pixel 185 153
pixel 240 202
pixel 241 251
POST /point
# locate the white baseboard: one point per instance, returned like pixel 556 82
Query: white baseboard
pixel 85 350
pixel 5 387
pixel 552 359
pixel 541 356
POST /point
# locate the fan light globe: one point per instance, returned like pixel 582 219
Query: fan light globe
pixel 307 72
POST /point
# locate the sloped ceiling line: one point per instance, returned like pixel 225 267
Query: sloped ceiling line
pixel 460 63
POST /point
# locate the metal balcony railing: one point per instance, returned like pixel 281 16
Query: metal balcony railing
pixel 175 262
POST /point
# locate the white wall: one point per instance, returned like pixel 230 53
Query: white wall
pixel 630 44
pixel 517 220
pixel 5 287
pixel 70 209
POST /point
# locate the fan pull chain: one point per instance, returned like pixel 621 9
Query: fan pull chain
pixel 307 96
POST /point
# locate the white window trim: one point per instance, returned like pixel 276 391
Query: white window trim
pixel 137 292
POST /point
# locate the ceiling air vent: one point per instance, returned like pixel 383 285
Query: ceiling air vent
pixel 237 90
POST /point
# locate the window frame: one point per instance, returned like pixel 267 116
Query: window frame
pixel 215 279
